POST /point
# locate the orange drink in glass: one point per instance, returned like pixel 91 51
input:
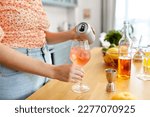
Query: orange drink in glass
pixel 145 75
pixel 146 63
pixel 80 55
pixel 124 67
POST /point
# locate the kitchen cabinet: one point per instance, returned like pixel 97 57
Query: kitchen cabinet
pixel 63 3
pixel 60 53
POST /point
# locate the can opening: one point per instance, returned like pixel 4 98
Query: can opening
pixel 82 28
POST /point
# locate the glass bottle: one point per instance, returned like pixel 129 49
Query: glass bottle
pixel 125 49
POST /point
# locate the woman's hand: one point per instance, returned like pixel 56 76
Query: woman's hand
pixel 53 38
pixel 76 36
pixel 68 73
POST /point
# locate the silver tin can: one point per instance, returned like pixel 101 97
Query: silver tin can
pixel 85 29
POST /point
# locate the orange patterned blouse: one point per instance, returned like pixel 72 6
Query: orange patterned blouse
pixel 22 23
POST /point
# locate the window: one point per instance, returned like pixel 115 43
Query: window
pixel 137 13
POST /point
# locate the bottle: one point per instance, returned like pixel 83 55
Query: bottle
pixel 125 51
pixel 85 28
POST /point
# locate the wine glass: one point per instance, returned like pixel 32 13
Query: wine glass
pixel 80 55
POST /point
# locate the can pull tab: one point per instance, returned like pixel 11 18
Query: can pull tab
pixel 82 28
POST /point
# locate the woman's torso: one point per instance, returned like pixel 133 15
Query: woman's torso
pixel 23 22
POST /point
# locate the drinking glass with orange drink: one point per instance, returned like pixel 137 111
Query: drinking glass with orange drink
pixel 80 55
pixel 145 75
pixel 124 67
pixel 146 63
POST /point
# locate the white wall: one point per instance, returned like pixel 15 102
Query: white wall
pixel 56 15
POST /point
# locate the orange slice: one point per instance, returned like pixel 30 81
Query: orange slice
pixel 123 96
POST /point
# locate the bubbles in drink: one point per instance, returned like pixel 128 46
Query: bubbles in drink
pixel 79 56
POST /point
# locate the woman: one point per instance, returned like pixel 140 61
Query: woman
pixel 24 58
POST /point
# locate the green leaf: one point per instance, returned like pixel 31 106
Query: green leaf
pixel 113 37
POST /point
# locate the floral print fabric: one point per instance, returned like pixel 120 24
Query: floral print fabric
pixel 22 23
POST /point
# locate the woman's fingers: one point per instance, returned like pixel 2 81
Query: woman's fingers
pixel 71 73
pixel 76 77
pixel 76 67
pixel 76 74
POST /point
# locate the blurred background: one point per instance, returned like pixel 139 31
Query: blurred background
pixel 102 15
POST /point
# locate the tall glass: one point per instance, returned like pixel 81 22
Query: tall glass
pixel 80 55
pixel 145 75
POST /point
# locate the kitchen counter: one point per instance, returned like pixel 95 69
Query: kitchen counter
pixel 96 79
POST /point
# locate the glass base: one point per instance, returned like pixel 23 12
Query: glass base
pixel 80 88
pixel 143 77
